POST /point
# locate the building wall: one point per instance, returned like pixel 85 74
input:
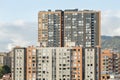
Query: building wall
pixel 105 77
pixel 69 28
pixel 82 28
pixel 2 58
pixel 90 64
pixel 49 28
pixel 12 64
pixel 116 63
pixel 77 64
pixel 64 63
pixel 106 62
pixel 5 59
pixel 31 63
pixel 58 60
pixel 44 63
pixel 8 59
pixel 19 63
pixel 110 62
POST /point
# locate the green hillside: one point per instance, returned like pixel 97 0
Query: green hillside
pixel 111 42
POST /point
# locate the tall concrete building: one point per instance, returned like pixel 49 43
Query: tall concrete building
pixel 69 28
pixel 19 63
pixel 50 29
pixel 56 63
pixel 82 28
pixel 73 28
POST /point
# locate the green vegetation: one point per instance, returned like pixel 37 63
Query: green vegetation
pixel 111 42
pixel 4 70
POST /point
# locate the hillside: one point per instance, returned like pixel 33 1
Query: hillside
pixel 112 42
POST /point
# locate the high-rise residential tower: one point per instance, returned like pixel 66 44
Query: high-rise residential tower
pixel 73 28
pixel 50 28
pixel 69 28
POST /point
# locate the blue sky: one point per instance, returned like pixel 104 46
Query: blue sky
pixel 27 9
pixel 16 16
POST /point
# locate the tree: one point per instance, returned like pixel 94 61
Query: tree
pixel 4 70
pixel 1 74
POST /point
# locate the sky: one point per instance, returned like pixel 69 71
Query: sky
pixel 18 18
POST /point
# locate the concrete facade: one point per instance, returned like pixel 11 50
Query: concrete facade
pixel 5 59
pixel 90 64
pixel 19 65
pixel 64 63
pixel 31 63
pixel 110 62
pixel 69 28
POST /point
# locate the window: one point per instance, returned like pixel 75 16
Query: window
pixel 103 77
pixel 44 72
pixel 108 77
pixel 74 49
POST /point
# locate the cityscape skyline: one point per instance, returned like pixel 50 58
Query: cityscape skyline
pixel 16 18
pixel 69 43
pixel 64 35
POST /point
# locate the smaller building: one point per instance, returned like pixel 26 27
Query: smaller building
pixel 110 62
pixel 59 63
pixel 2 58
pixel 19 63
pixel 5 59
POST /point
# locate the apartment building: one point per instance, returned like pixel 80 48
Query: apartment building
pixel 31 63
pixel 82 28
pixel 70 27
pixel 2 58
pixel 49 28
pixel 110 62
pixel 69 47
pixel 56 63
pixel 19 63
pixel 73 28
pixel 106 64
pixel 5 59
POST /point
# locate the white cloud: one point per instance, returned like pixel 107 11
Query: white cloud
pixel 19 23
pixel 17 33
pixel 24 33
pixel 17 42
pixel 111 23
